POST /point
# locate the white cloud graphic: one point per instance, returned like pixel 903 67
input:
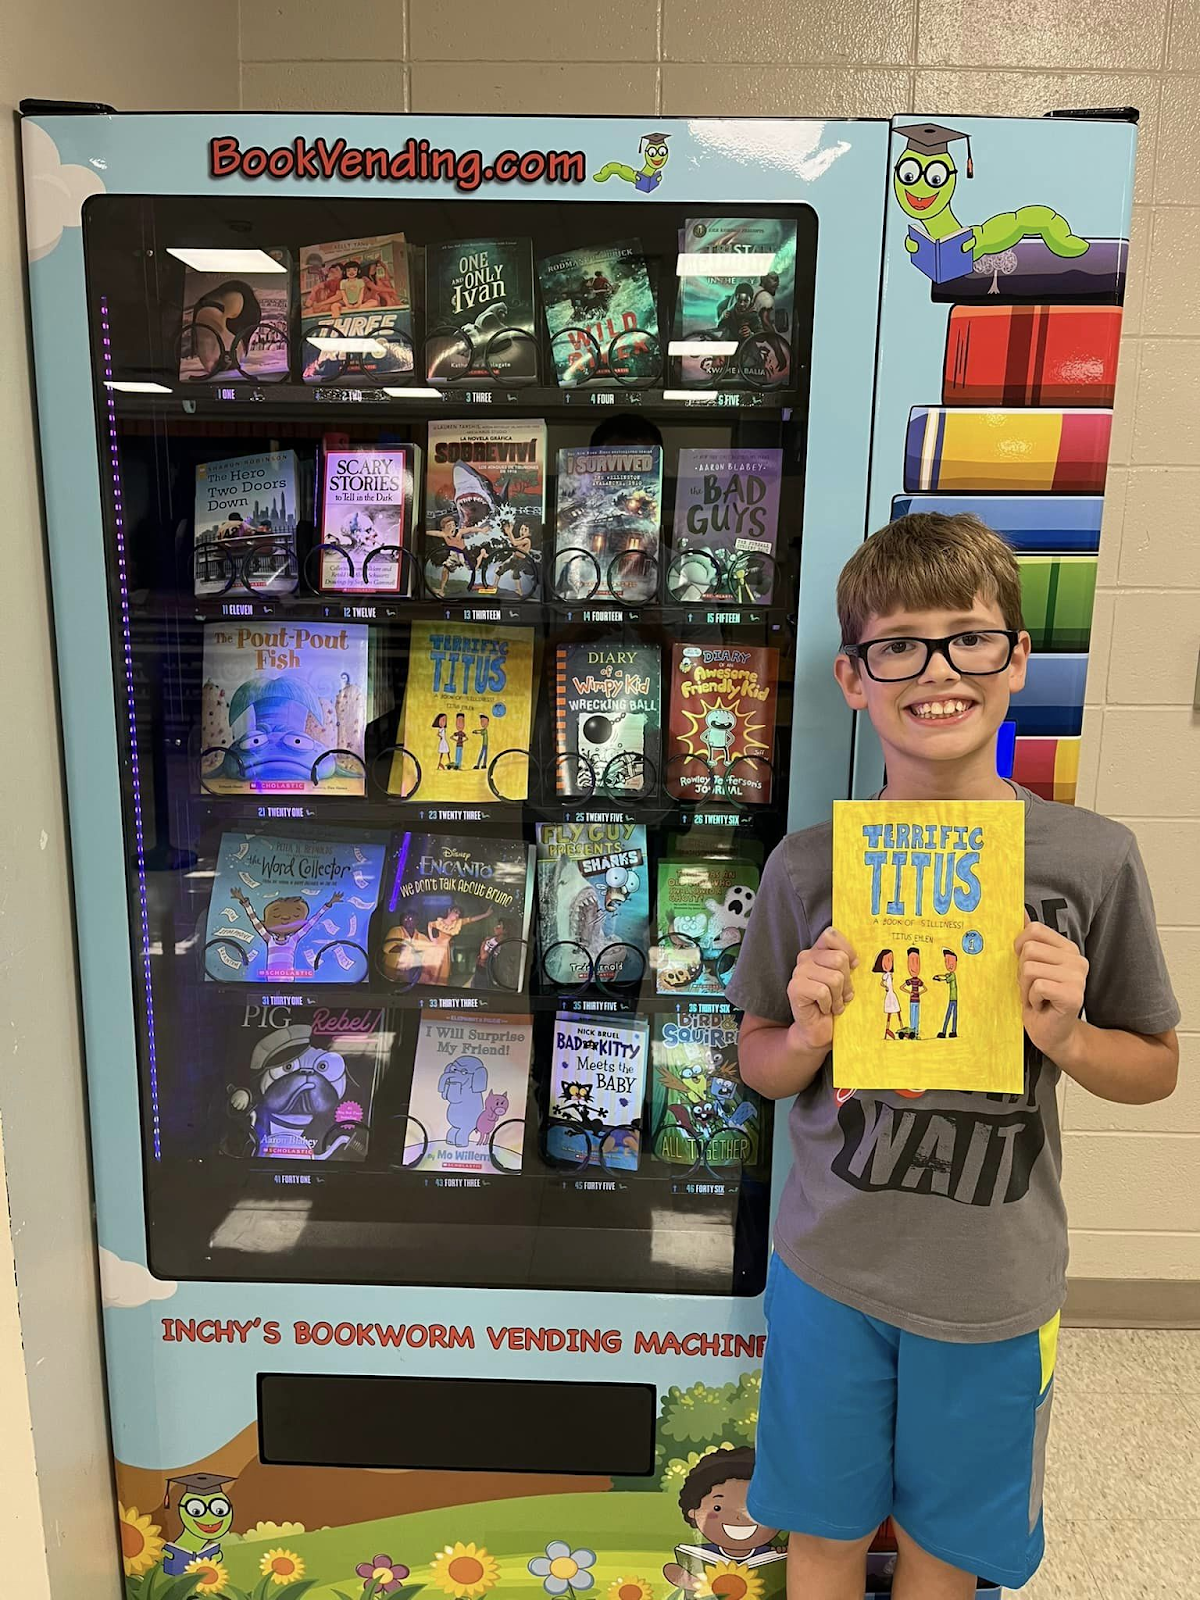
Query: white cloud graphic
pixel 125 1284
pixel 54 193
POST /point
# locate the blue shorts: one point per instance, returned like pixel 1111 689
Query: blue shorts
pixel 860 1421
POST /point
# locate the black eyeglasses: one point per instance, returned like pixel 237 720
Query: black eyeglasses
pixel 977 654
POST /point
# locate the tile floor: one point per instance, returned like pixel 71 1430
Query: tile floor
pixel 1123 1472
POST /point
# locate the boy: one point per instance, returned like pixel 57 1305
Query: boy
pixel 913 1320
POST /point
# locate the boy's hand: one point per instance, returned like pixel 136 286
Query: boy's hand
pixel 1052 973
pixel 820 989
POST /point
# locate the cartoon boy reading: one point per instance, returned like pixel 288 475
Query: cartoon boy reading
pixel 713 1500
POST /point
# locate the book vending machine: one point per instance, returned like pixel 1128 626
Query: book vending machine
pixel 444 517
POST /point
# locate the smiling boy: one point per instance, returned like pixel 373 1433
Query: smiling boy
pixel 912 1321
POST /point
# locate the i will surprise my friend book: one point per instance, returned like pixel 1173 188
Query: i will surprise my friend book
pixel 931 896
pixel 466 1112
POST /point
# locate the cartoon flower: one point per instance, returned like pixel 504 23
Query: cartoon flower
pixel 730 1580
pixel 387 1575
pixel 210 1577
pixel 282 1566
pixel 563 1570
pixel 141 1542
pixel 630 1589
pixel 464 1570
pixel 274 1530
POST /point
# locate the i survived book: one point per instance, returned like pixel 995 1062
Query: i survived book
pixel 479 297
pixel 301 1081
pixel 600 314
pixel 235 327
pixel 931 896
pixel 699 1107
pixel 245 525
pixel 468 708
pixel 485 505
pixel 470 1083
pixel 721 733
pixel 607 523
pixel 737 284
pixel 704 905
pixel 368 495
pixel 607 714
pixel 593 887
pixel 283 708
pixel 727 510
pixel 457 912
pixel 287 909
pixel 356 311
pixel 597 1091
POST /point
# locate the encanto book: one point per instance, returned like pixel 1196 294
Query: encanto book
pixel 356 311
pixel 291 910
pixel 283 708
pixel 597 1091
pixel 245 525
pixel 721 733
pixel 931 896
pixel 606 532
pixel 367 511
pixel 235 327
pixel 470 1085
pixel 485 505
pixel 464 731
pixel 700 1110
pixel 727 516
pixel 737 284
pixel 479 295
pixel 302 1081
pixel 593 884
pixel 600 313
pixel 703 907
pixel 607 713
pixel 457 913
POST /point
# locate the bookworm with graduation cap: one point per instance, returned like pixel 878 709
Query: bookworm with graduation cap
pixel 206 1515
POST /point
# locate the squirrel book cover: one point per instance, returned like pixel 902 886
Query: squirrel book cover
pixel 470 1084
pixel 931 896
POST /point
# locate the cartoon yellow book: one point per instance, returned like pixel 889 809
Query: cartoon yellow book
pixel 931 896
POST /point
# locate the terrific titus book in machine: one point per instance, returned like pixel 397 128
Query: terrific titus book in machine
pixel 931 896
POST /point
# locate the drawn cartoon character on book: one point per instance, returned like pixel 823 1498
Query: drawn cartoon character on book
pixel 281 927
pixel 654 153
pixel 885 965
pixel 455 554
pixel 442 932
pixel 462 1086
pixel 949 1028
pixel 915 988
pixel 481 733
pixel 716 735
pixel 713 1500
pixel 296 1084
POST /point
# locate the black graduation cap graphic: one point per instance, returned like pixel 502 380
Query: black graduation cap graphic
pixel 933 139
pixel 204 1482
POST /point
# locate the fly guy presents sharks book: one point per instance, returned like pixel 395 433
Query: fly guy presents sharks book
pixel 931 896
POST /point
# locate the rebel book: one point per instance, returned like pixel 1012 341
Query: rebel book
pixel 368 498
pixel 485 505
pixel 245 525
pixel 721 732
pixel 470 1083
pixel 607 713
pixel 727 517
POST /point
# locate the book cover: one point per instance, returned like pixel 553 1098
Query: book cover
pixel 470 1082
pixel 703 908
pixel 479 295
pixel 737 284
pixel 283 708
pixel 356 311
pixel 597 1091
pixel 593 884
pixel 236 328
pixel 727 509
pixel 942 259
pixel 769 1566
pixel 721 733
pixel 485 506
pixel 1031 355
pixel 1031 272
pixel 245 525
pixel 606 529
pixel 457 912
pixel 600 314
pixel 301 1081
pixel 607 714
pixel 367 509
pixel 931 896
pixel 468 708
pixel 1035 452
pixel 700 1110
pixel 291 910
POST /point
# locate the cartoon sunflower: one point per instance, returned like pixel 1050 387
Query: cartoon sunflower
pixel 285 1566
pixel 630 1589
pixel 141 1541
pixel 464 1570
pixel 210 1577
pixel 730 1580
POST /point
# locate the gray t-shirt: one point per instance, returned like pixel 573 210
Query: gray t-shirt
pixel 942 1214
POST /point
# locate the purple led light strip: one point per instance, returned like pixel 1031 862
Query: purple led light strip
pixel 114 467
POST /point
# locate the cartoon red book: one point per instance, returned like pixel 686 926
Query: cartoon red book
pixel 1031 355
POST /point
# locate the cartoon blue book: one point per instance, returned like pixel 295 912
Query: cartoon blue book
pixel 1067 524
pixel 942 259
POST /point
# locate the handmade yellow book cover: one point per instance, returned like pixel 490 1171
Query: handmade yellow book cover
pixel 931 896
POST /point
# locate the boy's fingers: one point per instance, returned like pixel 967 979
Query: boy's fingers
pixel 831 939
pixel 810 990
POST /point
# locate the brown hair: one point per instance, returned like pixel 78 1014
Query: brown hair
pixel 718 1466
pixel 926 560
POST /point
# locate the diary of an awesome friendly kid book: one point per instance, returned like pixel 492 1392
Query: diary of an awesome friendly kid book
pixel 931 896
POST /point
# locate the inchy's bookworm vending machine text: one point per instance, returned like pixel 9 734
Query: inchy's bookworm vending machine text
pixel 444 519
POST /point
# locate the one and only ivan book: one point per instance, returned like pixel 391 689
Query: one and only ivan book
pixel 480 307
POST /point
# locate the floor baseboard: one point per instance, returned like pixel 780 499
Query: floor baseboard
pixel 1132 1303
